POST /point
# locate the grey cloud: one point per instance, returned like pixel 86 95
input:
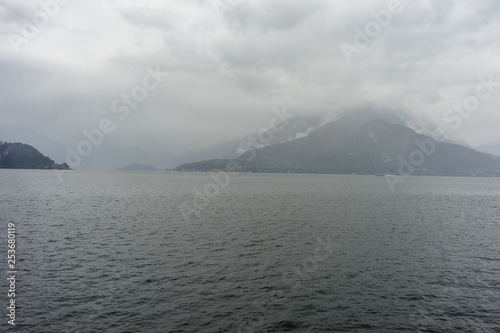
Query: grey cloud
pixel 262 16
pixel 13 12
pixel 147 17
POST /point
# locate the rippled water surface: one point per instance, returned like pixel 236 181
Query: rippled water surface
pixel 111 252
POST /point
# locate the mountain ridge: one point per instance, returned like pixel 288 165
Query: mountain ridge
pixel 139 167
pixel 349 146
pixel 296 126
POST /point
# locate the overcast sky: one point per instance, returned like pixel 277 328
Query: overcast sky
pixel 230 65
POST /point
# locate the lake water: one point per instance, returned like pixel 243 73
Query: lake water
pixel 111 252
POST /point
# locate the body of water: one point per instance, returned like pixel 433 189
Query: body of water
pixel 111 252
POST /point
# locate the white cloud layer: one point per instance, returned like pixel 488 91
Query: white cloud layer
pixel 230 66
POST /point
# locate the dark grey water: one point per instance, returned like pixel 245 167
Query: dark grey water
pixel 110 252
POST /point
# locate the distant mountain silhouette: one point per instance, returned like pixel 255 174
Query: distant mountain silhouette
pixel 296 127
pixel 22 156
pixel 351 146
pixel 139 167
pixel 493 148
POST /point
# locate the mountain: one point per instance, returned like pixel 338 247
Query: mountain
pixel 348 146
pixel 297 126
pixel 43 144
pixel 301 126
pixel 397 117
pixel 22 156
pixel 493 148
pixel 139 167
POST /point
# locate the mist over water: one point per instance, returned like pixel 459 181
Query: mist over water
pixel 110 252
